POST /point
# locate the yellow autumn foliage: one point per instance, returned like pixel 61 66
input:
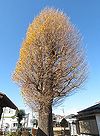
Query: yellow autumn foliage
pixel 51 62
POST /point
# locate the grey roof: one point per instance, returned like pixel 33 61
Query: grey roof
pixel 94 108
pixel 6 102
pixel 89 112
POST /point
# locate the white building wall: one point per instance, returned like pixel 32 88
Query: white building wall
pixel 7 119
pixel 7 115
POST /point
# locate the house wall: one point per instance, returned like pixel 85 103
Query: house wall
pixel 98 122
pixel 73 129
pixel 7 120
pixel 88 126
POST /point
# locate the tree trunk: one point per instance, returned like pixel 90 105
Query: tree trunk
pixel 45 127
pixel 43 123
pixel 50 121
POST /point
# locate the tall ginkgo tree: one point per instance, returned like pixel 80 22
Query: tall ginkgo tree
pixel 51 64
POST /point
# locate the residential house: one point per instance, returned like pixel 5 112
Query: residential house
pixel 88 121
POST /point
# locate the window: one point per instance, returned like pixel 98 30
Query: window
pixel 14 124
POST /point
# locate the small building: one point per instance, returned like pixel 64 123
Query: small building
pixel 8 120
pixel 5 102
pixel 72 124
pixel 88 121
